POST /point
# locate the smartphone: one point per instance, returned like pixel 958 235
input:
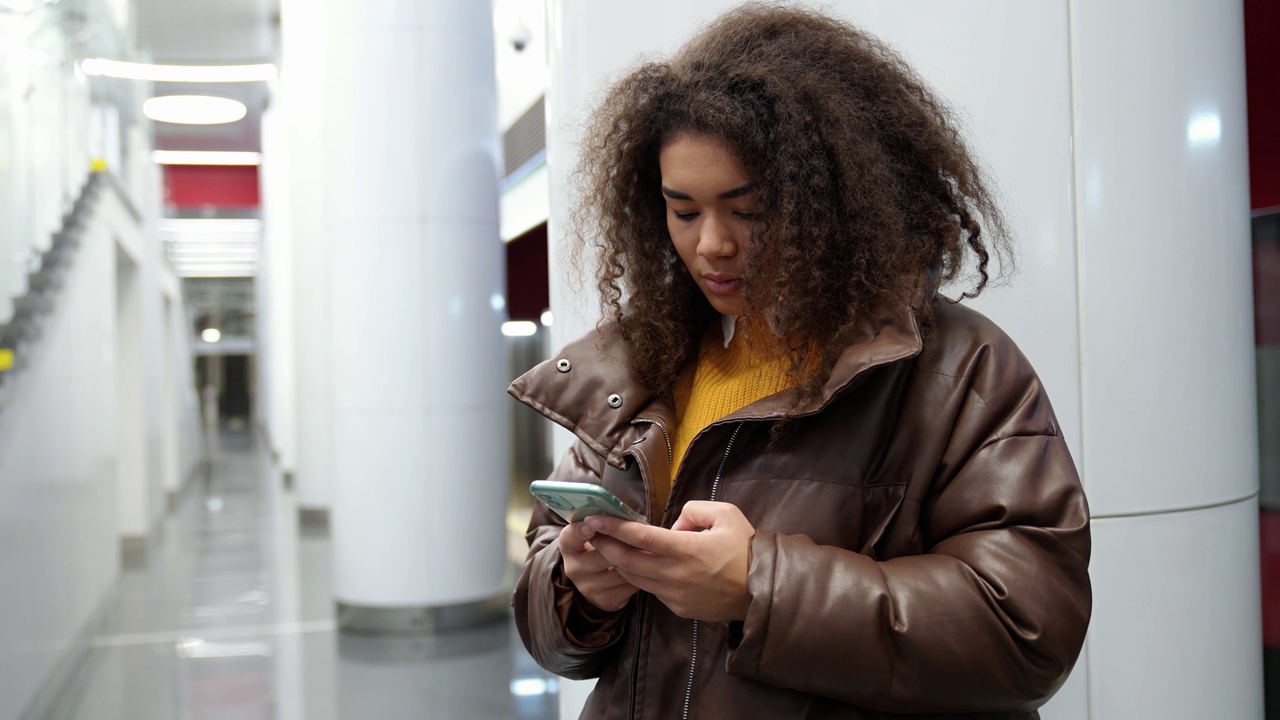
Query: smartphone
pixel 577 501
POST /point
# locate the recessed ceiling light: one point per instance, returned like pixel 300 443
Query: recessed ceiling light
pixel 203 157
pixel 194 109
pixel 179 73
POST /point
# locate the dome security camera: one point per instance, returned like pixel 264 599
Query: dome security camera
pixel 520 37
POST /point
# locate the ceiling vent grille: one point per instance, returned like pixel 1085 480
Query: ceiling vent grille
pixel 526 138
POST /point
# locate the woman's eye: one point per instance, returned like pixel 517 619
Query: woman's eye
pixel 686 216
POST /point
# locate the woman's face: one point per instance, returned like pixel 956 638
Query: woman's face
pixel 712 211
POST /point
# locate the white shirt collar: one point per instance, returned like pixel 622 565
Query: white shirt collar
pixel 727 325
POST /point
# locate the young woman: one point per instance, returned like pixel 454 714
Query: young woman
pixel 859 501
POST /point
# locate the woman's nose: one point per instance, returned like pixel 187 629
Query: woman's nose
pixel 716 239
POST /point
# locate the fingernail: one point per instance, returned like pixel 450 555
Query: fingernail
pixel 594 521
pixel 587 531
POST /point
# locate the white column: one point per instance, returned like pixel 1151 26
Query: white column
pixel 277 319
pixel 1166 333
pixel 416 275
pixel 1115 133
pixel 302 81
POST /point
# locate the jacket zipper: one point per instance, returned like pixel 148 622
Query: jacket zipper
pixel 693 654
pixel 665 435
pixel 657 512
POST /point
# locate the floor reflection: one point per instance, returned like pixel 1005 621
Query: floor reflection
pixel 231 616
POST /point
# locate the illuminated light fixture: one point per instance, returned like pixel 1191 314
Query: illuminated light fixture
pixel 204 157
pixel 546 318
pixel 519 328
pixel 526 687
pixel 197 649
pixel 194 109
pixel 211 335
pixel 102 67
pixel 211 270
pixel 210 226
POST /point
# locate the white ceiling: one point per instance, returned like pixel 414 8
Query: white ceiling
pixel 210 32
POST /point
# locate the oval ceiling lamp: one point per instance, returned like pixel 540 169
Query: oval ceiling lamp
pixel 194 109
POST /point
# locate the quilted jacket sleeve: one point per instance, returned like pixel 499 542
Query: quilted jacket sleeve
pixel 990 618
pixel 561 630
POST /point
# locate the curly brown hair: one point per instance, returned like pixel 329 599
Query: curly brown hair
pixel 867 193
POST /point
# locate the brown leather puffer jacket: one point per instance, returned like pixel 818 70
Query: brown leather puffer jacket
pixel 922 538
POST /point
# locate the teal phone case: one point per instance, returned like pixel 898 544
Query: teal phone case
pixel 577 501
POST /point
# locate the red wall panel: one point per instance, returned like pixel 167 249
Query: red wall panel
pixel 217 186
pixel 1262 62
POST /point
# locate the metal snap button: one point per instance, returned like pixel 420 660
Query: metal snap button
pixel 615 401
pixel 563 365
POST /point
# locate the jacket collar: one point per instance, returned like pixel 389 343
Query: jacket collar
pixel 588 386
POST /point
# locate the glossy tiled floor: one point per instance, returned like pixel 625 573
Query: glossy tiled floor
pixel 232 618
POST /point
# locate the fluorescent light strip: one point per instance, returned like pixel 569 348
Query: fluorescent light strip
pixel 235 257
pixel 212 272
pixel 204 157
pixel 219 255
pixel 214 264
pixel 215 240
pixel 179 73
pixel 210 225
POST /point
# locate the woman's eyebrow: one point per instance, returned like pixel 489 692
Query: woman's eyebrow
pixel 738 192
pixel 729 195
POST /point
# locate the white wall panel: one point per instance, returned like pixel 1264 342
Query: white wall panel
pixel 1072 700
pixel 1168 336
pixel 59 534
pixel 1177 628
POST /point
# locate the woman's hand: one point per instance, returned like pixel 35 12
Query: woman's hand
pixel 698 568
pixel 590 572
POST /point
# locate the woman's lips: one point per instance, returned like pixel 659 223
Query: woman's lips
pixel 722 286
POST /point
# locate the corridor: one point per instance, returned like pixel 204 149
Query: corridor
pixel 231 617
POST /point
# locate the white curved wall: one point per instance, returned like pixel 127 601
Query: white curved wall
pixel 1115 131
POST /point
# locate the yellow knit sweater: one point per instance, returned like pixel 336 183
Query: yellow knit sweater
pixel 724 380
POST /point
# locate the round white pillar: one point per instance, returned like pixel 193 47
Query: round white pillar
pixel 1166 337
pixel 1115 132
pixel 306 152
pixel 420 433
pixel 275 292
